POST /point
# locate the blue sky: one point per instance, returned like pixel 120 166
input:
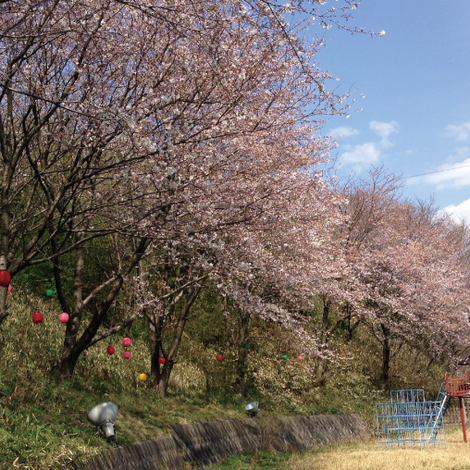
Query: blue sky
pixel 416 83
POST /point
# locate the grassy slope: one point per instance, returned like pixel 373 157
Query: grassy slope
pixel 43 421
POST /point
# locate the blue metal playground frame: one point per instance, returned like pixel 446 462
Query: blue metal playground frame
pixel 410 420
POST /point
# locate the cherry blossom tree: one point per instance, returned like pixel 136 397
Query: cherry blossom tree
pixel 410 271
pixel 66 131
pixel 60 129
pixel 190 126
pixel 237 156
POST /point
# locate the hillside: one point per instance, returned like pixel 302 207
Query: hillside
pixel 43 421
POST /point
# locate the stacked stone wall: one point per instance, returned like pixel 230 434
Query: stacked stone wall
pixel 204 444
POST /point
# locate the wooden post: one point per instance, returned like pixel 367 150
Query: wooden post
pixel 462 416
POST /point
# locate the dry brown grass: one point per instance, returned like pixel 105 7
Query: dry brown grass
pixel 367 456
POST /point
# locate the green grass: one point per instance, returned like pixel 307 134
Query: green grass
pixel 43 421
pixel 254 461
pixel 44 424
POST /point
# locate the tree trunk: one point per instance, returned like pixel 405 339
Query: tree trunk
pixel 243 352
pixel 386 353
pixel 67 364
pixel 155 339
pixel 156 322
pixel 5 236
pixel 73 347
pixel 322 366
pixel 58 277
pixel 191 295
pixel 69 359
pixel 351 326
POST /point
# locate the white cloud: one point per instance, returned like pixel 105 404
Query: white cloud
pixel 370 152
pixel 460 132
pixel 345 131
pixel 365 153
pixel 456 175
pixel 460 212
pixel 384 129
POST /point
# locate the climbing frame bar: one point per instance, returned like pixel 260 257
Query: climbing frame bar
pixel 409 420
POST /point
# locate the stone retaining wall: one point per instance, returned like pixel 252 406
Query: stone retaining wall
pixel 204 444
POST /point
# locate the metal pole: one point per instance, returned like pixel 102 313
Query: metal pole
pixel 462 417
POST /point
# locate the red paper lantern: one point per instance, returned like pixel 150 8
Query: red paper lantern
pixel 110 350
pixel 161 360
pixel 126 355
pixel 5 278
pixel 64 317
pixel 220 358
pixel 37 317
pixel 126 342
pixel 299 357
pixel 9 289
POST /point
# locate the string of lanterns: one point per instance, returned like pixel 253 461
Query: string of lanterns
pixel 5 278
pixel 126 342
pixel 38 317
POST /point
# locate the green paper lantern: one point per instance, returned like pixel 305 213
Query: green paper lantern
pixel 50 292
pixel 284 356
